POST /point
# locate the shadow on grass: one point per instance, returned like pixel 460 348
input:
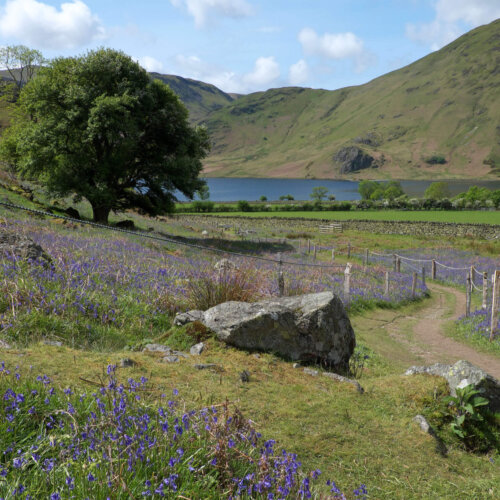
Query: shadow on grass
pixel 240 246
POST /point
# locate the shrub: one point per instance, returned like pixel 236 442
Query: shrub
pixel 211 288
pixel 243 206
pixel 471 420
pixel 436 160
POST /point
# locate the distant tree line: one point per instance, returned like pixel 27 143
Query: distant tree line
pixel 374 196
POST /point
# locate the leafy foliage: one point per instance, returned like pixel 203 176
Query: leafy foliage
pixel 98 126
pixel 472 421
pixel 437 191
pixel 319 193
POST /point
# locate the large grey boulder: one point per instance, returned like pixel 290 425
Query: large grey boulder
pixel 461 374
pixel 311 328
pixel 22 247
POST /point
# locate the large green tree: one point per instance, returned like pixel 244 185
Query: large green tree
pixel 98 126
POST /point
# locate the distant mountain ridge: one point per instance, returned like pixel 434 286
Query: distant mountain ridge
pixel 436 118
pixel 200 98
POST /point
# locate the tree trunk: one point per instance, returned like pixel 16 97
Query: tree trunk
pixel 101 213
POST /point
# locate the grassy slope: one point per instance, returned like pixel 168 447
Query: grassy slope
pixel 466 216
pixel 446 103
pixel 200 98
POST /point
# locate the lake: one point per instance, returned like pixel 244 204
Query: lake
pixel 234 189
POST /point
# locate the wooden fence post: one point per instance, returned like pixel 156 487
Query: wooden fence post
pixel 315 249
pixel 494 303
pixel 433 270
pixel 485 291
pixel 347 284
pixel 394 262
pixel 281 279
pixel 414 285
pixel 333 253
pixel 308 246
pixel 468 290
pixel 348 249
pixel 398 264
pixel 423 276
pixel 386 288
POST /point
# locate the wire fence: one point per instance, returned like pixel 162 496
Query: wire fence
pixel 346 280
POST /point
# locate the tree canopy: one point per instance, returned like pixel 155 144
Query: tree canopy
pixel 319 193
pixel 98 126
pixel 372 190
pixel 21 62
pixel 437 191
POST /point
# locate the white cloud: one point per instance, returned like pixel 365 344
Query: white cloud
pixel 331 45
pixel 451 16
pixel 265 71
pixel 44 26
pixel 205 11
pixel 298 73
pixel 150 63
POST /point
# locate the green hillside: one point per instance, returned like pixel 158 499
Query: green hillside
pixel 200 98
pixel 436 118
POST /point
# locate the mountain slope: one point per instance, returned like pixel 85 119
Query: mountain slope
pixel 200 98
pixel 444 107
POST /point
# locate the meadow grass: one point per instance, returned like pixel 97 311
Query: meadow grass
pixel 455 216
pixel 352 438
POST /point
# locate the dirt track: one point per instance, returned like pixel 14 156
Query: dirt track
pixel 433 346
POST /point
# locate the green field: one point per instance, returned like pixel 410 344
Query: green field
pixel 466 216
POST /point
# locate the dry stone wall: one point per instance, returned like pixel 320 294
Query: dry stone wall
pixel 444 229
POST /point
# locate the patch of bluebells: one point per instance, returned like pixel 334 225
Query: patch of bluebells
pixel 478 324
pixel 113 444
pixel 106 280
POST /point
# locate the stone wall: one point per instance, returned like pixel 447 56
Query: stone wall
pixel 482 231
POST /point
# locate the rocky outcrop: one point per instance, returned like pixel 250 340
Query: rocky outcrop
pixel 312 327
pixel 22 247
pixel 461 374
pixel 369 139
pixel 352 159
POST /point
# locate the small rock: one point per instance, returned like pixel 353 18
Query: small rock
pixel 127 362
pixel 245 376
pixel 296 365
pixel 170 359
pixel 4 345
pixel 188 317
pixel 310 371
pixel 197 349
pixel 256 356
pixel 157 348
pixel 205 366
pixel 204 233
pixel 180 354
pixel 55 343
pixel 340 378
pixel 423 424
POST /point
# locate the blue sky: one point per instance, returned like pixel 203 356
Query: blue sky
pixel 248 45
